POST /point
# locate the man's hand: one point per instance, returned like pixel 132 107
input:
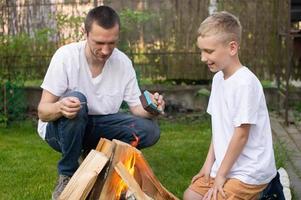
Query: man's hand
pixel 69 107
pixel 158 99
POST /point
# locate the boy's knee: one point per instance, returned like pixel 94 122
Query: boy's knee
pixel 191 195
pixel 186 194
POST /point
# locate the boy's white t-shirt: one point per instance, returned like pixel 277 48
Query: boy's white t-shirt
pixel 235 101
pixel 69 71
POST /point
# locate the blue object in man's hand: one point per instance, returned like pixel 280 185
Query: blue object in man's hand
pixel 148 104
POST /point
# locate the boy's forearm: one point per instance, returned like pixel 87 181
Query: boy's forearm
pixel 210 156
pixel 236 145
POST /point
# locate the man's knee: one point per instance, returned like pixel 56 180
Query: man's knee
pixel 156 133
pixel 81 97
pixel 83 112
pixel 150 134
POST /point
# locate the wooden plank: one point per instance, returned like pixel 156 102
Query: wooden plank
pixel 84 178
pixel 150 184
pixel 143 174
pixel 124 153
pixel 133 186
pixel 107 147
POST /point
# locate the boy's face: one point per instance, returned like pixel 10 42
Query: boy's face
pixel 214 52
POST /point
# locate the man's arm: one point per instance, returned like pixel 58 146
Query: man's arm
pixel 51 108
pixel 141 112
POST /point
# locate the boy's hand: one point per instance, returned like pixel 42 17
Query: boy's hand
pixel 219 182
pixel 204 172
pixel 69 107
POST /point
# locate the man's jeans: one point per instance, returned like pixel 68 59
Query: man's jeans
pixel 72 136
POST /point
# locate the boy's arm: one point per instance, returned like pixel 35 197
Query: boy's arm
pixel 210 157
pixel 236 145
pixel 206 169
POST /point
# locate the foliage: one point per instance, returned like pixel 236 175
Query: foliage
pixel 13 102
pixel 203 92
pixel 69 22
pixel 23 55
pixel 268 84
pixel 132 22
pixel 21 59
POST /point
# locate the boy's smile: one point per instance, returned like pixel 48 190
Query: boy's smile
pixel 214 52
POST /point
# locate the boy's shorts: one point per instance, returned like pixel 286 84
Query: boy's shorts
pixel 233 188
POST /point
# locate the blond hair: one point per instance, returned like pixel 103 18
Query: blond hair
pixel 221 23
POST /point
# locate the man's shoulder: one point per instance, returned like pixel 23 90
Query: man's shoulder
pixel 70 48
pixel 119 55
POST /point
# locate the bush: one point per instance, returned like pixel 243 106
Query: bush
pixel 13 102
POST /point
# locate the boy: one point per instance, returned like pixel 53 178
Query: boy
pixel 240 161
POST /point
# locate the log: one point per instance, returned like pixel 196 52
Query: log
pixel 123 153
pixel 133 186
pixel 107 147
pixel 126 172
pixel 150 184
pixel 84 178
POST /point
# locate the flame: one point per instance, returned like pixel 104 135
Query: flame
pixel 121 186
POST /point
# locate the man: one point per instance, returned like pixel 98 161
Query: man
pixel 83 89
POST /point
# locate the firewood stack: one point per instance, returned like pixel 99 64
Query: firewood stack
pixel 115 171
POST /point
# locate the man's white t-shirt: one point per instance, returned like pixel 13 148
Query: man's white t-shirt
pixel 69 71
pixel 235 101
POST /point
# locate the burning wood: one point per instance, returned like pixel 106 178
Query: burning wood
pixel 126 176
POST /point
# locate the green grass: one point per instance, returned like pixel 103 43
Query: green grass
pixel 28 164
pixel 179 154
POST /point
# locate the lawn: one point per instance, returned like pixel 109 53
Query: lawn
pixel 28 165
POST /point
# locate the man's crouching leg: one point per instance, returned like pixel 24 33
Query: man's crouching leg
pixel 137 131
pixel 66 136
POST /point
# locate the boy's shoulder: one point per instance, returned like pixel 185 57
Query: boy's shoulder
pixel 244 76
pixel 240 80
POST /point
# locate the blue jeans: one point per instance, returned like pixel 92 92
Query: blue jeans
pixel 72 136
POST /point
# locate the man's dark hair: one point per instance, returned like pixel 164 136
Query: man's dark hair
pixel 104 16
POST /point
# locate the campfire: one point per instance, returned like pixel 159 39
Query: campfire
pixel 115 171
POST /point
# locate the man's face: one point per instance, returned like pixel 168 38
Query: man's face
pixel 214 52
pixel 102 42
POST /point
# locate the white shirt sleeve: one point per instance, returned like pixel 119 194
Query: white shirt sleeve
pixel 246 104
pixel 132 91
pixel 56 80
